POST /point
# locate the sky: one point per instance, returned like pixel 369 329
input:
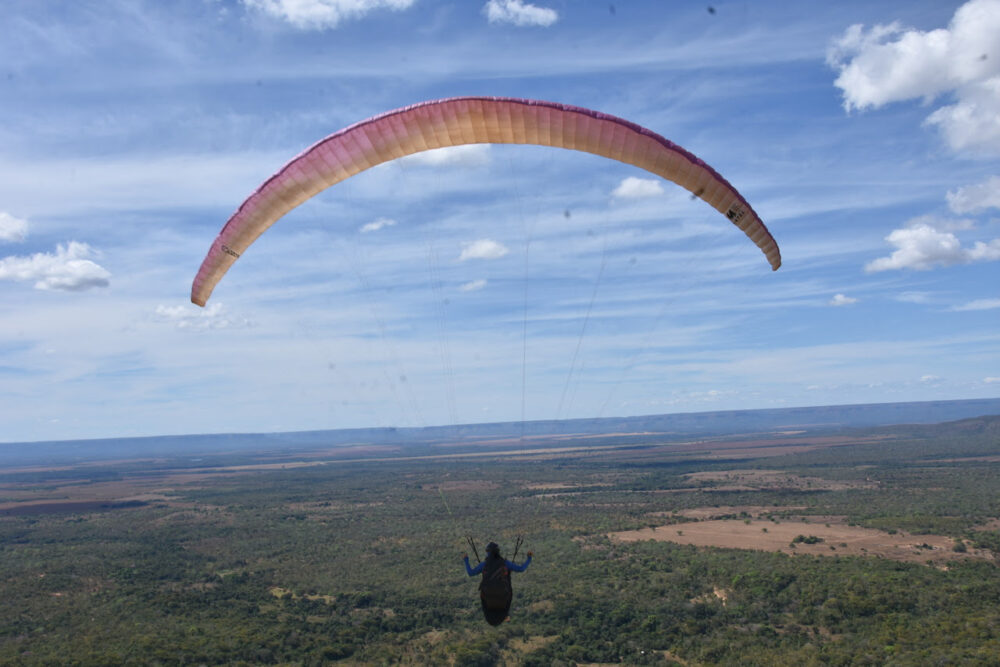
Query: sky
pixel 492 283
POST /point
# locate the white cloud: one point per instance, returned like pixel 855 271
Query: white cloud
pixel 976 198
pixel 984 252
pixel 466 155
pixel 638 188
pixel 914 297
pixel 979 304
pixel 973 123
pixel 919 247
pixel 473 286
pixel 321 14
pixel 483 249
pixel 519 13
pixel 929 379
pixel 67 269
pixel 841 300
pixel 11 228
pixel 192 318
pixel 991 380
pixel 889 63
pixel 941 224
pixel 922 247
pixel 376 225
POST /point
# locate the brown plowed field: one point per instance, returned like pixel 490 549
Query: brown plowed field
pixel 837 539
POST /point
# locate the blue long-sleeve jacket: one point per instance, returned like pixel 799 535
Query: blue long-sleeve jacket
pixel 512 566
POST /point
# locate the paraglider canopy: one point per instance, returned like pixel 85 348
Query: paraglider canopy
pixel 469 120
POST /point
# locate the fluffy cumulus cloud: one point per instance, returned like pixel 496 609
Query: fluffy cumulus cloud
pixel 976 198
pixel 922 246
pixel 376 225
pixel 483 249
pixel 12 229
pixel 890 63
pixel 638 188
pixel 67 269
pixel 519 13
pixel 973 124
pixel 473 285
pixel 842 300
pixel 213 316
pixel 322 14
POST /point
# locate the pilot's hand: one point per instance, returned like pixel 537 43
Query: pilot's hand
pixel 465 556
pixel 530 554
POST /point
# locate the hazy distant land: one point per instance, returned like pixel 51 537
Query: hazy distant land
pixel 482 437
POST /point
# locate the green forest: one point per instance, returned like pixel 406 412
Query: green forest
pixel 361 562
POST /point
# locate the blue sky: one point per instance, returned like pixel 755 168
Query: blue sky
pixel 492 282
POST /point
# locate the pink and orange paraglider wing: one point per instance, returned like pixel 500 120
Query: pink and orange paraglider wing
pixel 469 120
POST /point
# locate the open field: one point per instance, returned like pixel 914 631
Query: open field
pixel 834 539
